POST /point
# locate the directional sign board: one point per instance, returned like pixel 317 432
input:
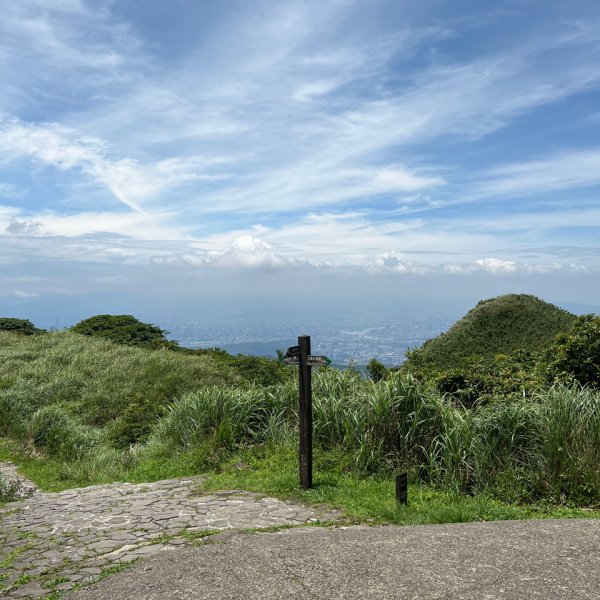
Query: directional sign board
pixel 317 361
pixel 292 356
pixel 311 360
pixel 292 351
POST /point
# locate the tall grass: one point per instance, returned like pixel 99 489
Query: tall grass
pixel 570 442
pixel 230 416
pixel 548 447
pixel 545 448
pixel 97 382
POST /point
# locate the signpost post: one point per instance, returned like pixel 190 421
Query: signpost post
pixel 300 356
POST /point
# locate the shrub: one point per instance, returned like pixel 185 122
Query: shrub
pixel 570 444
pixel 230 416
pixel 376 370
pixel 117 389
pixel 124 329
pixel 23 326
pixel 55 432
pixel 480 380
pixel 575 357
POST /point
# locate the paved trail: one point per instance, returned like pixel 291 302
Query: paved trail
pixel 53 541
pixel 503 560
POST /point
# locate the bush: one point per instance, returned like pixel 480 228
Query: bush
pixel 116 389
pixel 124 329
pixel 575 357
pixel 506 377
pixel 376 370
pixel 55 432
pixel 23 326
pixel 229 416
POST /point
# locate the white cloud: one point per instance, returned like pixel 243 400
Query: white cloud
pixel 24 227
pixel 499 266
pixel 22 294
pixel 249 252
pixel 245 252
pixel 53 33
pixel 312 91
pixel 562 171
pixel 402 179
pixel 133 225
pixel 132 183
pixel 217 125
pixel 393 262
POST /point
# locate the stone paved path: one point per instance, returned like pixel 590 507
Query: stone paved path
pixel 51 542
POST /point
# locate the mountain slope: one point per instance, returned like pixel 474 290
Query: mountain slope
pixel 496 326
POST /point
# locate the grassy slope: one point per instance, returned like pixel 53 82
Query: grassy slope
pixel 496 326
pixel 97 382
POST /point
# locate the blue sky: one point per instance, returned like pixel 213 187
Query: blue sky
pixel 260 149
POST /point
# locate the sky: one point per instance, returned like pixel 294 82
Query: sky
pixel 170 158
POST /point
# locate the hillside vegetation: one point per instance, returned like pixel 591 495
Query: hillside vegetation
pixel 499 325
pixel 92 387
pixel 518 427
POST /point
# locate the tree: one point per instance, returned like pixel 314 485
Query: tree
pixel 575 356
pixel 280 356
pixel 124 329
pixel 24 326
pixel 377 370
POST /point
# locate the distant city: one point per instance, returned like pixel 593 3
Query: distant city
pixel 345 340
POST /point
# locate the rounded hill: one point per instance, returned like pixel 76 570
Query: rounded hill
pixel 496 326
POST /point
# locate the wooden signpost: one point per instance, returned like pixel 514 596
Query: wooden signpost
pixel 300 356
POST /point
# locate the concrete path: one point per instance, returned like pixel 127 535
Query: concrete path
pixel 53 542
pixel 504 560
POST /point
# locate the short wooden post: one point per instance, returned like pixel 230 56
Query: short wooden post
pixel 402 488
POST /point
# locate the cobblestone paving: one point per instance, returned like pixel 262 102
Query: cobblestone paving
pixel 51 542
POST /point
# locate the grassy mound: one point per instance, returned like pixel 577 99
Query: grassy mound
pixel 63 388
pixel 500 325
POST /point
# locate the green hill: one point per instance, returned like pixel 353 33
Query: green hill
pixel 496 326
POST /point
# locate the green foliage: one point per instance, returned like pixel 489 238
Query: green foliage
pixel 227 415
pixel 376 370
pixel 53 430
pixel 482 380
pixel 258 369
pixel 262 370
pixel 124 329
pixel 575 356
pixel 24 326
pixel 500 325
pixel 115 389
